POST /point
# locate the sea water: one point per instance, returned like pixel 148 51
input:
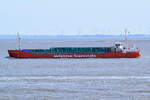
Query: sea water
pixel 73 79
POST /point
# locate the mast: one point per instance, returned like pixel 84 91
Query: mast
pixel 126 38
pixel 19 41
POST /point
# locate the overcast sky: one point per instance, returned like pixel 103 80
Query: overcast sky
pixel 74 16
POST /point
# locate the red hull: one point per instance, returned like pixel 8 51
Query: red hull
pixel 23 54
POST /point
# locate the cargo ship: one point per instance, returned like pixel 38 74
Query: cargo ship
pixel 116 51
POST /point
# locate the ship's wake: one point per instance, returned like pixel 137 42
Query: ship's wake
pixel 145 57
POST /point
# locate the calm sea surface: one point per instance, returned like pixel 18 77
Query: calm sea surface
pixel 73 79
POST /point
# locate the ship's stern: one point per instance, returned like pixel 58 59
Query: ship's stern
pixel 14 53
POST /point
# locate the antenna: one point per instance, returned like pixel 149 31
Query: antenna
pixel 19 41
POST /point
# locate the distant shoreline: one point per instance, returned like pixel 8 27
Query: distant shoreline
pixel 134 36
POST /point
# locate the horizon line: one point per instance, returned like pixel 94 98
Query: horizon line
pixel 138 34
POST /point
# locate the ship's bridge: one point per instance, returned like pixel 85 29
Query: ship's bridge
pixel 121 47
pixel 118 47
